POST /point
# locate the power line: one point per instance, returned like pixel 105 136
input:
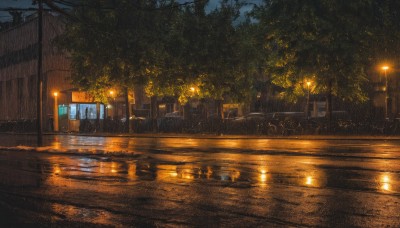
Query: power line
pixel 22 9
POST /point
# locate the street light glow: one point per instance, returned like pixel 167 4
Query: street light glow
pixel 308 83
pixel 387 94
pixel 55 94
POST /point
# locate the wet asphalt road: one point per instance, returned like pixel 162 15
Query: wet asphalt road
pixel 169 182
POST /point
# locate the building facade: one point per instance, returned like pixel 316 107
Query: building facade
pixel 18 78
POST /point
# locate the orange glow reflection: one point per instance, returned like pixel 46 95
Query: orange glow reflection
pixel 385 182
pixel 132 171
pixel 56 169
pixel 209 172
pixel 166 172
pixel 263 177
pixel 309 180
pixel 114 167
pixel 187 174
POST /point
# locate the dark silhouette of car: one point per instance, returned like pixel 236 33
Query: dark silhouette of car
pixel 171 123
pixel 252 123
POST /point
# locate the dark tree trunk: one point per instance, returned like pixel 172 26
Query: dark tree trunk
pixel 329 107
pixel 220 116
pixel 127 113
pixel 153 112
pixel 219 108
pixel 138 94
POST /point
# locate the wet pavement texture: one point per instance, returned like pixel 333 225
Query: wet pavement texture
pixel 169 182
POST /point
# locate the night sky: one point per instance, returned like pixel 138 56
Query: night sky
pixel 5 16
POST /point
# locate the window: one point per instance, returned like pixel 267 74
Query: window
pixel 101 111
pixel 62 110
pixel 87 111
pixel 73 111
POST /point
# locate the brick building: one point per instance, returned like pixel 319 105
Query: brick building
pixel 18 77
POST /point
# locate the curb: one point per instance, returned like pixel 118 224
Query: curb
pixel 219 137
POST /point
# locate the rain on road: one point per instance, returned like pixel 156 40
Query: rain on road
pixel 121 181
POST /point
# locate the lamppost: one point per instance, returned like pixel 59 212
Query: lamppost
pixel 55 112
pixel 308 100
pixel 385 68
pixel 39 96
pixel 112 106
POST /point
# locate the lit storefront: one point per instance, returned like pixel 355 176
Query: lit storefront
pixel 70 115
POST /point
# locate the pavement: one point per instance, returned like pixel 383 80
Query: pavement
pixel 221 136
pixel 229 136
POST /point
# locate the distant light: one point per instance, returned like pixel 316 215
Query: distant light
pixel 308 83
pixel 55 94
pixel 192 89
pixel 385 67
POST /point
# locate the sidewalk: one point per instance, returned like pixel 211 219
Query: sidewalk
pixel 233 137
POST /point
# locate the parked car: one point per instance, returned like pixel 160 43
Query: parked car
pixel 171 122
pixel 138 124
pixel 252 123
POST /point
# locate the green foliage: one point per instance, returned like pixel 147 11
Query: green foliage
pixel 384 32
pixel 319 41
pixel 219 55
pixel 116 43
pixel 159 44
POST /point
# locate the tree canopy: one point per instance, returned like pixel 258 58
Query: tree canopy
pixel 320 41
pixel 170 47
pixel 161 44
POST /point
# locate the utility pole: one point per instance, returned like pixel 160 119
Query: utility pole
pixel 39 99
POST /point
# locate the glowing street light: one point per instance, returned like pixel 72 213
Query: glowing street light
pixel 308 99
pixel 112 95
pixel 385 68
pixel 55 112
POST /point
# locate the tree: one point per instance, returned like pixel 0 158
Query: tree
pixel 220 55
pixel 115 44
pixel 165 46
pixel 319 40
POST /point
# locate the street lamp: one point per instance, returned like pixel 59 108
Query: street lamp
pixel 385 68
pixel 308 99
pixel 39 98
pixel 112 106
pixel 55 112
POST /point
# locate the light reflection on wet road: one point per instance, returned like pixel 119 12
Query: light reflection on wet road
pixel 200 182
